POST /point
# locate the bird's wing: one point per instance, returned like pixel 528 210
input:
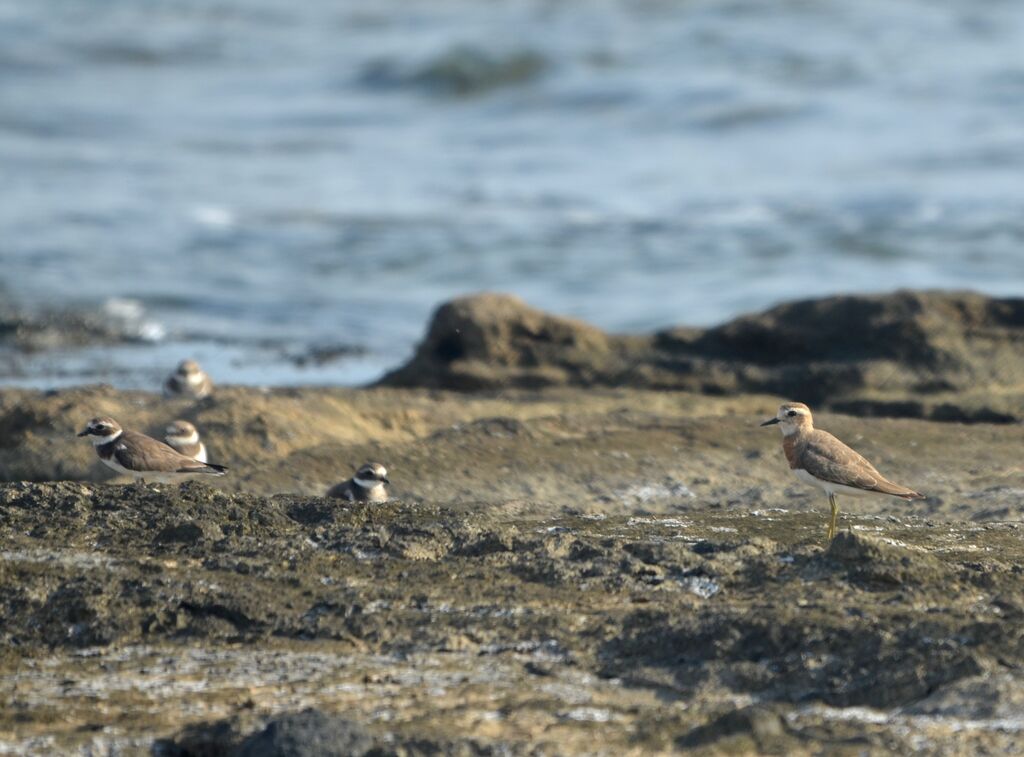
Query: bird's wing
pixel 827 458
pixel 342 491
pixel 171 387
pixel 144 453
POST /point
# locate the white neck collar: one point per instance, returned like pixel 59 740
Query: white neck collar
pixel 192 438
pixel 99 441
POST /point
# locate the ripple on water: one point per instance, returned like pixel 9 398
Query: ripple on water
pixel 704 160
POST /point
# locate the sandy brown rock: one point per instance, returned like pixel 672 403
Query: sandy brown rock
pixel 556 451
pixel 495 340
pixel 943 355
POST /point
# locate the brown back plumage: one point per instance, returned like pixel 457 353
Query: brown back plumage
pixel 826 458
pixel 138 452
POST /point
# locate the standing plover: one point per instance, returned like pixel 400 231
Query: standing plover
pixel 188 381
pixel 141 456
pixel 366 486
pixel 183 437
pixel 818 458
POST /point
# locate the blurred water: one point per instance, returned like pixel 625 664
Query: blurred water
pixel 264 175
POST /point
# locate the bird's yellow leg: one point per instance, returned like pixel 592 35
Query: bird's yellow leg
pixel 833 523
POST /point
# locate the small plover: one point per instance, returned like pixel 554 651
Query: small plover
pixel 188 381
pixel 366 486
pixel 818 458
pixel 183 437
pixel 141 456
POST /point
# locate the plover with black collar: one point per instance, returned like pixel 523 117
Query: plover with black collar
pixel 183 437
pixel 189 380
pixel 366 486
pixel 818 458
pixel 141 456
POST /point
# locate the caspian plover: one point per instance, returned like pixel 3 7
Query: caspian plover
pixel 141 456
pixel 366 486
pixel 183 437
pixel 818 458
pixel 188 381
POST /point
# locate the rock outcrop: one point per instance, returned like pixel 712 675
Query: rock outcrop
pixel 953 356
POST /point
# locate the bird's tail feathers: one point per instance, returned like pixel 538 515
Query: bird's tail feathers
pixel 888 487
pixel 212 468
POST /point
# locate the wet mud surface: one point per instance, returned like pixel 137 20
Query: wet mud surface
pixel 192 617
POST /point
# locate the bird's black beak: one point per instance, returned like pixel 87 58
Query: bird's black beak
pixel 770 422
pixel 386 480
pixel 83 433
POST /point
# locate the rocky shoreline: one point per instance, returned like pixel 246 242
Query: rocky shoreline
pixel 578 559
pixel 948 356
pixel 196 617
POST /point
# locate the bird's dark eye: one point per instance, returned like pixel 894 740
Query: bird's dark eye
pixel 791 413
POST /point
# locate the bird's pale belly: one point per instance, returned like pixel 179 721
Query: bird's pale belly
pixel 828 486
pixel 161 477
